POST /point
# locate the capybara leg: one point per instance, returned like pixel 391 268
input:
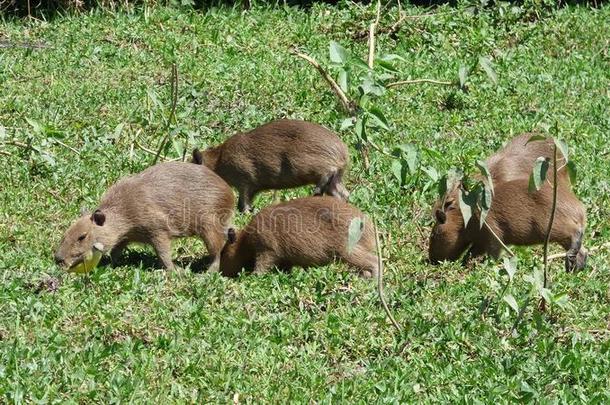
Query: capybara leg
pixel 336 188
pixel 163 247
pixel 116 252
pixel 264 261
pixel 341 192
pixel 322 184
pixel 572 259
pixel 245 200
pixel 364 261
pixel 214 241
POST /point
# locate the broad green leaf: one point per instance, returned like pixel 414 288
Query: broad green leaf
pixel 390 57
pixel 463 75
pixel 397 170
pixel 571 168
pixel 512 302
pixel 178 146
pixel 356 227
pixel 546 294
pixel 538 176
pixel 337 53
pixel 433 153
pixel 361 128
pixel 482 165
pixel 510 265
pixel 361 63
pixel 563 148
pixel 370 86
pixel 535 138
pixel 561 300
pixel 387 65
pixel 465 206
pixel 378 118
pixel 485 205
pixel 342 80
pixel 431 172
pixel 36 126
pixel 486 65
pixel 347 123
pixel 454 177
pixel 411 156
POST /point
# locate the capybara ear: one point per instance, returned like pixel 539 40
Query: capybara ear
pixel 441 217
pixel 231 236
pixel 84 211
pixel 98 217
pixel 197 157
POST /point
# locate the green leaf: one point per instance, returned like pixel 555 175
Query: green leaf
pixel 485 206
pixel 347 123
pixel 561 300
pixel 390 57
pixel 431 172
pixel 337 53
pixel 571 168
pixel 342 80
pixel 36 126
pixel 465 206
pixel 482 165
pixel 563 148
pixel 534 138
pixel 397 170
pixel 379 119
pixel 411 156
pixel 463 75
pixel 510 265
pixel 538 176
pixel 386 65
pixel 361 128
pixel 356 227
pixel 486 65
pixel 512 302
pixel 454 177
pixel 547 295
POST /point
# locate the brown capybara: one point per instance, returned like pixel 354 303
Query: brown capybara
pixel 510 168
pixel 163 202
pixel 310 231
pixel 278 155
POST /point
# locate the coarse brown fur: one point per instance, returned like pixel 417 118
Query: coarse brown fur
pixel 310 231
pixel 278 155
pixel 165 201
pixel 516 216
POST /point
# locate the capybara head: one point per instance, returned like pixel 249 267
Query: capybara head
pixel 236 254
pixel 79 239
pixel 449 238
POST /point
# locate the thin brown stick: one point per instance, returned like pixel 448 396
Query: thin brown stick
pixel 172 114
pixel 372 30
pixel 550 226
pixel 145 149
pixel 348 106
pixel 380 280
pixel 592 249
pixel 510 252
pixel 5 153
pixel 415 81
pixel 57 141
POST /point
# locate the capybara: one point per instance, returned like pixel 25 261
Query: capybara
pixel 163 202
pixel 278 155
pixel 516 216
pixel 310 231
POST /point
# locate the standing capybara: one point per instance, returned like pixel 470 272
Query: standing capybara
pixel 278 155
pixel 163 202
pixel 516 216
pixel 311 231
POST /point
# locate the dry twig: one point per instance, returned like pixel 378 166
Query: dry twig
pixel 349 106
pixel 172 113
pixel 415 81
pixel 380 280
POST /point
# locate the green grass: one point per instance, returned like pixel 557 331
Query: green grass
pixel 136 333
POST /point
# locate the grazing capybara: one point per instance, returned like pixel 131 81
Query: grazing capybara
pixel 278 155
pixel 516 216
pixel 310 231
pixel 165 201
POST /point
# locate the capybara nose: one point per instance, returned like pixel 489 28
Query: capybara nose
pixel 59 260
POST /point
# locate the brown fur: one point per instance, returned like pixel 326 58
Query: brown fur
pixel 311 231
pixel 278 155
pixel 163 202
pixel 516 216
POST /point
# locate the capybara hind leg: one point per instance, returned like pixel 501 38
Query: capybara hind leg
pixel 575 260
pixel 163 247
pixel 115 253
pixel 364 261
pixel 214 241
pixel 244 202
pixel 322 184
pixel 264 261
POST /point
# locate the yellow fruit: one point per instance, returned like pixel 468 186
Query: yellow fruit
pixel 92 258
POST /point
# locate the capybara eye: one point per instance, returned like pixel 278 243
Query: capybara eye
pixel 82 237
